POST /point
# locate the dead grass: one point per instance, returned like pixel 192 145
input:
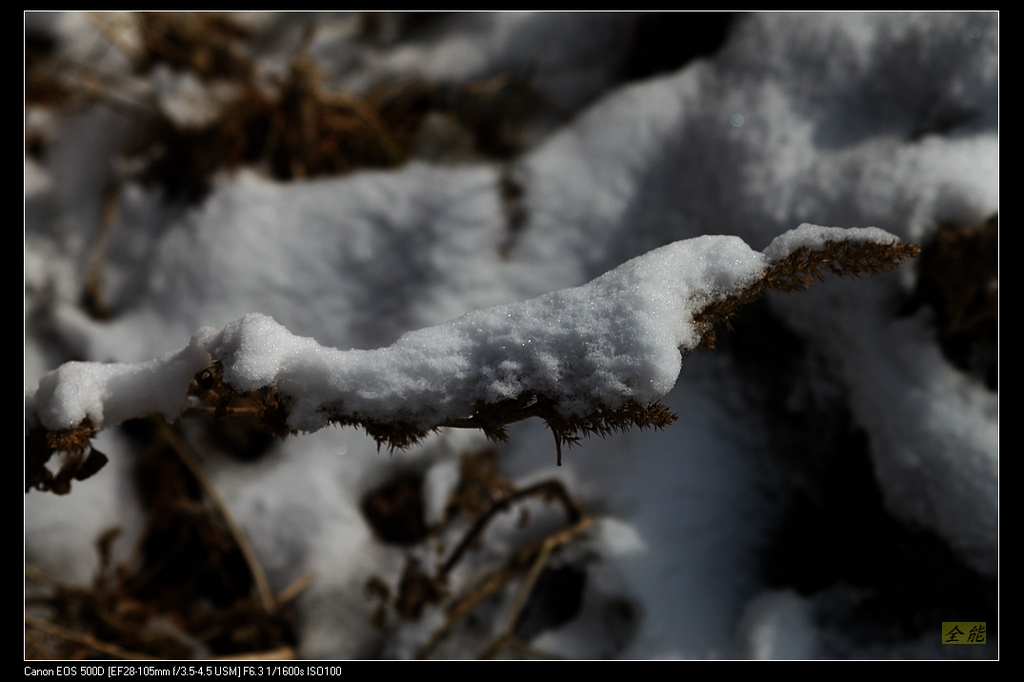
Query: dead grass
pixel 190 587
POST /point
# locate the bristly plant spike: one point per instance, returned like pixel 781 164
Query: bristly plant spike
pixel 589 360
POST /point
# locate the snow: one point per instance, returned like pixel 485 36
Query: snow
pixel 778 625
pixel 814 237
pixel 614 339
pixel 617 339
pixel 385 291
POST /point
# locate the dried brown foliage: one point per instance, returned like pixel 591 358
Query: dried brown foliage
pixel 190 586
pixel 80 459
pixel 480 497
pixel 292 125
pixel 958 278
pixel 492 419
pixel 300 128
pixel 208 44
pixel 800 270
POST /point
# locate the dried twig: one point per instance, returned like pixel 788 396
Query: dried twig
pixel 552 487
pixel 531 558
pixel 535 556
pixel 186 456
pixel 550 544
pixel 84 639
pixel 93 297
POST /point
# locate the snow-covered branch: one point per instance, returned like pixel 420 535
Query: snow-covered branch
pixel 589 359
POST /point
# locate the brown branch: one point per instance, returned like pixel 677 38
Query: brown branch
pixel 550 544
pixel 93 298
pixel 552 487
pixel 190 461
pixel 801 269
pixel 84 639
pixel 293 590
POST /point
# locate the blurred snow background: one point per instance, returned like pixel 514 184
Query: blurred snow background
pixel 831 487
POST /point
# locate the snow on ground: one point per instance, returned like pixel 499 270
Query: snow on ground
pixel 884 120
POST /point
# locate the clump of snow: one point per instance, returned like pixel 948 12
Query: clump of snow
pixel 186 102
pixel 617 338
pixel 107 394
pixel 814 237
